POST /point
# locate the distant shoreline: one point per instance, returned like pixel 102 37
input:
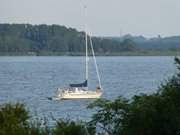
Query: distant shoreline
pixel 135 53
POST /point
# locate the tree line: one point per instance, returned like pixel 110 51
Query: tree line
pixel 53 38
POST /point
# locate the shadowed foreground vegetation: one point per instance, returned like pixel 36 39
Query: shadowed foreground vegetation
pixel 15 120
pixel 155 114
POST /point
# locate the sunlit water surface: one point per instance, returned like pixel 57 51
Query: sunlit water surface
pixel 31 80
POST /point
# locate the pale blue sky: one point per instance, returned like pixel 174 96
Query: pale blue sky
pixel 105 17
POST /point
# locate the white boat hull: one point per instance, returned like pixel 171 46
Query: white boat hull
pixel 89 95
pixel 78 94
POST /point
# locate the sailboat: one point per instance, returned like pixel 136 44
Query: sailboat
pixel 81 90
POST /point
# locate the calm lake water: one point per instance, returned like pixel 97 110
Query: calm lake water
pixel 31 80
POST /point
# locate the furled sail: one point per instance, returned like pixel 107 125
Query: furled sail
pixel 84 84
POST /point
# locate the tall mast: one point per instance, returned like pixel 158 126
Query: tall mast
pixel 86 36
pixel 86 42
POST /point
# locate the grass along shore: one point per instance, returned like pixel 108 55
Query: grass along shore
pixel 134 53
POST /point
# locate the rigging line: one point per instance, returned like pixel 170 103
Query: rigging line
pixel 95 62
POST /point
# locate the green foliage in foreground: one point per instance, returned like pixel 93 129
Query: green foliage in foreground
pixel 155 114
pixel 14 120
pixel 72 128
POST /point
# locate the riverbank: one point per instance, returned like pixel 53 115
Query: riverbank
pixel 134 53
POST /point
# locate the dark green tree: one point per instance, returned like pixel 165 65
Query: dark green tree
pixel 15 120
pixel 155 114
pixel 68 127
